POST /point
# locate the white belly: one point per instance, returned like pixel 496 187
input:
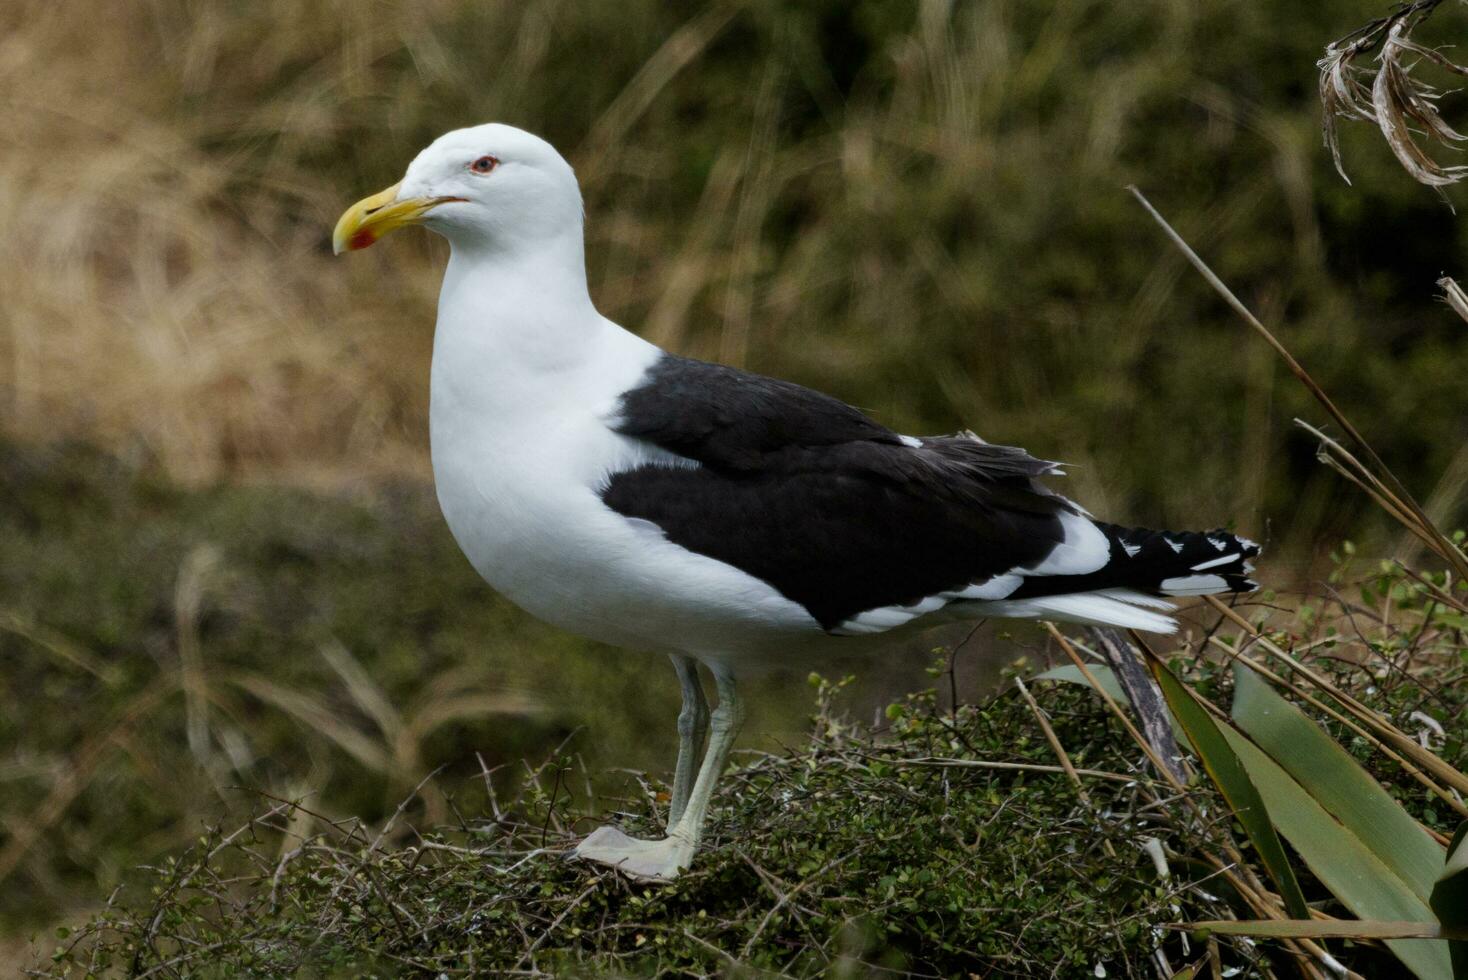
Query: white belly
pixel 526 375
pixel 519 458
pixel 537 531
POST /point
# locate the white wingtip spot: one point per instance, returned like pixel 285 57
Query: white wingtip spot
pixel 912 442
pixel 1131 550
pixel 1193 585
pixel 1215 562
pixel 1176 546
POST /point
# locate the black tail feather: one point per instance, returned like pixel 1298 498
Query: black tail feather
pixel 1182 562
pixel 1160 563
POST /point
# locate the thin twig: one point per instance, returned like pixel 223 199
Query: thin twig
pixel 943 763
pixel 529 953
pixel 1137 736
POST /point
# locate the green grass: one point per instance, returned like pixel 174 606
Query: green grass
pixel 111 576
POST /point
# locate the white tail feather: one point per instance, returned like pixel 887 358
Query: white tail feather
pixel 1102 608
pixel 1137 598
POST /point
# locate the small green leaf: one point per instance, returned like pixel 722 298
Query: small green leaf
pixel 1072 674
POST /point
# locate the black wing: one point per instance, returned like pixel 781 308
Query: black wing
pixel 834 510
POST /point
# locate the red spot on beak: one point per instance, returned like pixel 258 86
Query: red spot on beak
pixel 362 239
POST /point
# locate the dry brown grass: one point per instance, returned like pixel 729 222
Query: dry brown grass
pixel 918 208
pixel 170 173
pixel 164 283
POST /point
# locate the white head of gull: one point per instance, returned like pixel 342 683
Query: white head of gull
pixel 726 519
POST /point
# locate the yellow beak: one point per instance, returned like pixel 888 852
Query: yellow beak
pixel 372 217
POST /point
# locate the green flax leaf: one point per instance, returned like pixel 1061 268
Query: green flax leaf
pixel 1342 862
pixel 1232 779
pixel 1328 773
pixel 1449 900
pixel 1318 928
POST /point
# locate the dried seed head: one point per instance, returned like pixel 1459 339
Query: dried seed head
pixel 1454 296
pixel 1401 105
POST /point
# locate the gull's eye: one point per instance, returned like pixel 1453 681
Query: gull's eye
pixel 484 165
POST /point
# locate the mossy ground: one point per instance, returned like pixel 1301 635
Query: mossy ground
pixel 854 853
pixel 945 844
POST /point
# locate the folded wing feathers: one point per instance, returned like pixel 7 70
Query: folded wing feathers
pixel 1185 562
pixel 1127 590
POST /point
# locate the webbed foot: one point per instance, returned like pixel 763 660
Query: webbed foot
pixel 644 860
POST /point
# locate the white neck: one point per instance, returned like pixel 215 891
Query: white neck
pixel 518 338
pixel 529 303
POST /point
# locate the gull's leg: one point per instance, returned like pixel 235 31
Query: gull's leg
pixel 693 723
pixel 727 719
pixel 663 859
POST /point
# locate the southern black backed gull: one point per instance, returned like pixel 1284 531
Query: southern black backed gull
pixel 653 501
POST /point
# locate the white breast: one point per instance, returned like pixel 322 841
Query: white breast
pixel 521 448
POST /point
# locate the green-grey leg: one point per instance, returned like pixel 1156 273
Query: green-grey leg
pixel 693 723
pixel 724 727
pixel 665 858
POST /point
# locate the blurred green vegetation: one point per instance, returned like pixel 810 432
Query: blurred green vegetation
pixel 175 656
pixel 915 206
